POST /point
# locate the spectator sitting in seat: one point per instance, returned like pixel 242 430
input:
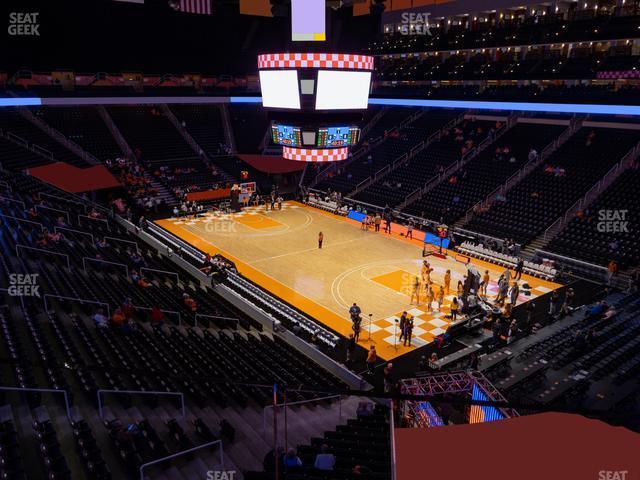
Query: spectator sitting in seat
pixel 325 460
pixel 291 460
pixel 189 302
pixel 157 316
pixel 100 320
pixel 118 317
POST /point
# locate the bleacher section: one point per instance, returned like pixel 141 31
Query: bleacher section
pixel 449 200
pixel 396 142
pixel 249 127
pixel 84 126
pixel 393 188
pixel 570 364
pixel 145 128
pixel 86 263
pixel 587 236
pixel 12 121
pixel 546 193
pixel 204 124
pixel 359 443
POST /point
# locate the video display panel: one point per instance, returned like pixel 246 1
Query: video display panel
pixel 308 20
pixel 337 136
pixel 342 90
pixel 280 89
pixel 286 135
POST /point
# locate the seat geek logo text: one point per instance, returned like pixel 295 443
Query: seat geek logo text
pixel 24 24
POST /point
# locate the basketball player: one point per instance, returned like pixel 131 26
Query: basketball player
pixel 485 284
pixel 279 200
pixel 387 226
pixel 447 281
pixel 429 299
pixel 426 272
pixel 410 230
pixel 416 291
pixel 440 298
pixel 320 240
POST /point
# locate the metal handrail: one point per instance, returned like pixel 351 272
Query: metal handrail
pixel 125 241
pixel 73 299
pixel 160 271
pixel 94 219
pixel 137 307
pixel 23 220
pixel 43 390
pixel 56 228
pixel 55 210
pixel 40 194
pixel 184 452
pixel 12 200
pixel 216 317
pixel 301 402
pixel 84 264
pixel 137 392
pixel 18 246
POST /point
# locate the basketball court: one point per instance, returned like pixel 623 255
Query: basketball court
pixel 279 251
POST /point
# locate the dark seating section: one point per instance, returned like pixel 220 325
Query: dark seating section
pixel 204 124
pixel 600 234
pixel 16 156
pixel 12 121
pixel 394 145
pixel 598 353
pixel 394 187
pixel 84 126
pixel 82 239
pixel 450 199
pixel 362 442
pixel 250 124
pixel 146 128
pixel 584 25
pixel 546 193
pixel 11 465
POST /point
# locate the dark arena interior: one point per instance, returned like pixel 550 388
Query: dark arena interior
pixel 248 239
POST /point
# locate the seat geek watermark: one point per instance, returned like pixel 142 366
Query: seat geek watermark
pixel 24 24
pixel 221 475
pixel 613 221
pixel 612 474
pixel 24 285
pixel 415 24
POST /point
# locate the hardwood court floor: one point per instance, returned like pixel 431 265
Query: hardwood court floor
pixel 279 251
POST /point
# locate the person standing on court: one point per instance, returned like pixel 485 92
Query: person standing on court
pixel 410 230
pixel 356 327
pixel 447 281
pixel 354 311
pixel 320 240
pixel 377 222
pixel 415 293
pixel 403 321
pixel 372 358
pixel 408 330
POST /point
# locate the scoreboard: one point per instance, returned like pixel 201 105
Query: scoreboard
pixel 337 136
pixel 286 135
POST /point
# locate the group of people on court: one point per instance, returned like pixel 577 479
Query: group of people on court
pixel 424 287
pixel 269 201
pixel 375 222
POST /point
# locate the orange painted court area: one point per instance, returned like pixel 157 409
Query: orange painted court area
pixel 279 251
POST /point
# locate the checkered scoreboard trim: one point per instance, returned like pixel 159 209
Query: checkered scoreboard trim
pixel 615 74
pixel 315 155
pixel 315 60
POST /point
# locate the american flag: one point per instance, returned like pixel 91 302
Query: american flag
pixel 192 6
